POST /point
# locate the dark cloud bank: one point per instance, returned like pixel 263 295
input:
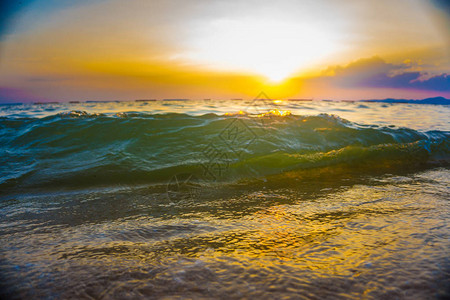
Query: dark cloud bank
pixel 376 73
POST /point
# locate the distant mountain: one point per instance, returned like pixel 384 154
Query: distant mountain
pixel 435 100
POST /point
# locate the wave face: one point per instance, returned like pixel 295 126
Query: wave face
pixel 78 149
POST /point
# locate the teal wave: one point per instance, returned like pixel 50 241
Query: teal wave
pixel 80 149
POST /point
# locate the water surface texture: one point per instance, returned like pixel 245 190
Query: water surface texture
pixel 225 200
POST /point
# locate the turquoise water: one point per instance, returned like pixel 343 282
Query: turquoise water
pixel 224 199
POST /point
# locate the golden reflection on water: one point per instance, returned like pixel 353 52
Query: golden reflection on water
pixel 239 113
pixel 275 112
pixel 352 229
pixel 270 113
pixel 381 239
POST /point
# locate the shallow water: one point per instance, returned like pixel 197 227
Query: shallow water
pixel 180 199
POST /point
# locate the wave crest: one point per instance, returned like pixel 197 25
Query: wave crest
pixel 77 148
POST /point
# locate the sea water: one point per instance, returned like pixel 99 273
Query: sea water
pixel 224 199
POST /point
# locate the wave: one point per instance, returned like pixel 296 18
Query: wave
pixel 80 149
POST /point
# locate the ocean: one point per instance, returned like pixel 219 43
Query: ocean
pixel 224 199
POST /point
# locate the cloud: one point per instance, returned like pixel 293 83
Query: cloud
pixel 436 83
pixel 411 80
pixel 376 73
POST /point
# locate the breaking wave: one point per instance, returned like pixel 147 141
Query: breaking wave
pixel 80 149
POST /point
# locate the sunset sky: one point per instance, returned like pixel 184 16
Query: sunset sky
pixel 62 50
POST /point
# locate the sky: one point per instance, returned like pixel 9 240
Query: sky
pixel 69 50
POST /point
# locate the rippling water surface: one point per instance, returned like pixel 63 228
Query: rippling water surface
pixel 224 199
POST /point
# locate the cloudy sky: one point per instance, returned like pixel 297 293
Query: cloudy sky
pixel 61 50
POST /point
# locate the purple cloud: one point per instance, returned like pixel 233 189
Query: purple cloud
pixel 436 83
pixel 409 80
pixel 375 72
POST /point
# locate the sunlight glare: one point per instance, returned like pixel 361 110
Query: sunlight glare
pixel 274 49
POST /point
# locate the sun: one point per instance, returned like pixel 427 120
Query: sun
pixel 275 49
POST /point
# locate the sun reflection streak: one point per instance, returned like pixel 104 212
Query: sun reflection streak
pixel 270 113
pixel 275 113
